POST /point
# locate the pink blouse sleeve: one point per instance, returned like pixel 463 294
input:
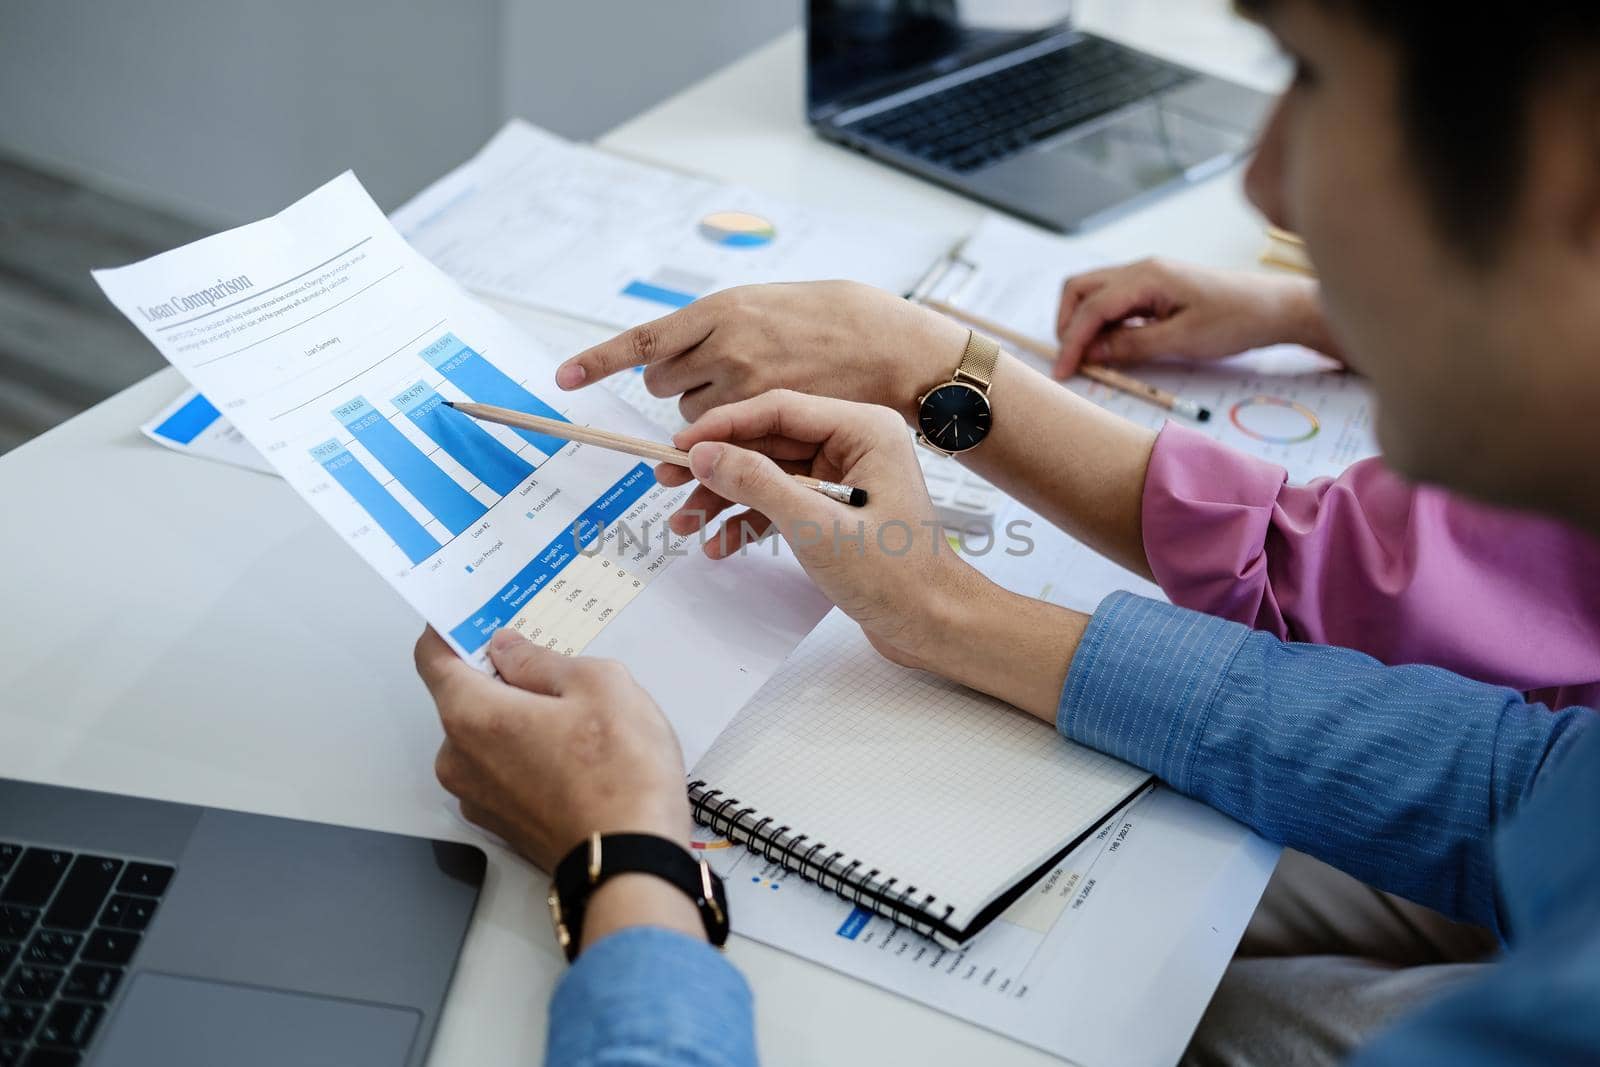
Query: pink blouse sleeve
pixel 1405 573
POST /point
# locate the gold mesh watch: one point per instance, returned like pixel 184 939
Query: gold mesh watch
pixel 956 417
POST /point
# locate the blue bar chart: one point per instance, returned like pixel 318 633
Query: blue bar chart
pixel 468 443
pixel 441 494
pixel 404 530
pixel 481 380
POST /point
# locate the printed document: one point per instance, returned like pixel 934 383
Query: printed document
pixel 331 345
pixel 544 222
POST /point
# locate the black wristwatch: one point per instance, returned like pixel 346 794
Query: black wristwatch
pixel 956 417
pixel 603 856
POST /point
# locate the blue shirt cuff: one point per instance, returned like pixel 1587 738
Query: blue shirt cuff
pixel 1143 681
pixel 654 998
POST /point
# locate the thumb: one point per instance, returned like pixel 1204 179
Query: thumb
pixel 1136 344
pixel 526 665
pixel 750 478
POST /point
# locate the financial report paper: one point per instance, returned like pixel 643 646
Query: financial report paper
pixel 1109 959
pixel 331 345
pixel 539 220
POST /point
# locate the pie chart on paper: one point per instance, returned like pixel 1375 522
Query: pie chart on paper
pixel 737 229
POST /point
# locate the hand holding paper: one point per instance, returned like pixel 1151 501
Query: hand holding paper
pixel 332 346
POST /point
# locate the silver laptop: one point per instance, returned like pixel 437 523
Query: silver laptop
pixel 137 933
pixel 1005 101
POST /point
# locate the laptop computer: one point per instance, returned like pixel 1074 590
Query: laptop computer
pixel 1006 101
pixel 137 932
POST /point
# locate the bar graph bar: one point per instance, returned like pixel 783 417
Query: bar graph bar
pixel 468 443
pixel 488 384
pixel 404 530
pixel 441 494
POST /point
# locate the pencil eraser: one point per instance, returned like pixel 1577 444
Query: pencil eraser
pixel 858 498
pixel 1204 415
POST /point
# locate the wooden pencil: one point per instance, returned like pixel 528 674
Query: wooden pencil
pixel 632 446
pixel 1112 379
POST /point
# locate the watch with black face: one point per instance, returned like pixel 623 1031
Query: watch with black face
pixel 956 417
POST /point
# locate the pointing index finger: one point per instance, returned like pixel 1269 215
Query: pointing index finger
pixel 652 342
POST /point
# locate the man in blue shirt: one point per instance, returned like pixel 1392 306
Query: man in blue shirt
pixel 1445 173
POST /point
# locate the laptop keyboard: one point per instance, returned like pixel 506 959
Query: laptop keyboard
pixel 987 119
pixel 69 924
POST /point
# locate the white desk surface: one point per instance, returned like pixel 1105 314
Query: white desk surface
pixel 180 629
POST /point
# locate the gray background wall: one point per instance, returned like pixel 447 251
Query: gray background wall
pixel 128 127
pixel 226 111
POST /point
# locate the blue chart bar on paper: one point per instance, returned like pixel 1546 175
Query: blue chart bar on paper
pixel 553 558
pixel 488 384
pixel 404 530
pixel 660 294
pixel 185 424
pixel 441 494
pixel 463 439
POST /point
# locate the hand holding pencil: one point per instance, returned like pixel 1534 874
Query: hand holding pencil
pixel 633 446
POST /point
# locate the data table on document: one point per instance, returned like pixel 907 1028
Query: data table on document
pixel 599 581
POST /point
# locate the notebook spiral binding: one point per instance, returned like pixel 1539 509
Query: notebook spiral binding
pixel 813 861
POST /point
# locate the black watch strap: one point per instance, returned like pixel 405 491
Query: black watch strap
pixel 605 856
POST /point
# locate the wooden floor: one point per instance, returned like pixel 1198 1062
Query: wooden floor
pixel 63 347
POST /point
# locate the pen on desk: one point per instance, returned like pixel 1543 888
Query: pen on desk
pixel 1112 379
pixel 632 446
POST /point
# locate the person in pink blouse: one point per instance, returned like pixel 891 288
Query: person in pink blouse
pixel 1406 573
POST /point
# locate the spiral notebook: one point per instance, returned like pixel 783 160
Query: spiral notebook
pixel 925 802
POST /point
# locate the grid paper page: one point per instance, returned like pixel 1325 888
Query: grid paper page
pixel 933 784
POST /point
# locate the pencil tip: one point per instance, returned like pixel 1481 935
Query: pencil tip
pixel 448 403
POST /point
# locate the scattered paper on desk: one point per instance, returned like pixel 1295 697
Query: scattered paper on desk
pixel 1284 404
pixel 331 345
pixel 193 426
pixel 1109 959
pixel 552 224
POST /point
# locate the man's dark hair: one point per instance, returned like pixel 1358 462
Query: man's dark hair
pixel 1469 73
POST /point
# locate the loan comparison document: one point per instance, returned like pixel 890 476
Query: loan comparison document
pixel 332 345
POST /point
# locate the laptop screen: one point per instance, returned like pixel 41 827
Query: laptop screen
pixel 858 49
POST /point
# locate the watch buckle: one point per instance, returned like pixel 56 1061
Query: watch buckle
pixel 707 894
pixel 563 935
